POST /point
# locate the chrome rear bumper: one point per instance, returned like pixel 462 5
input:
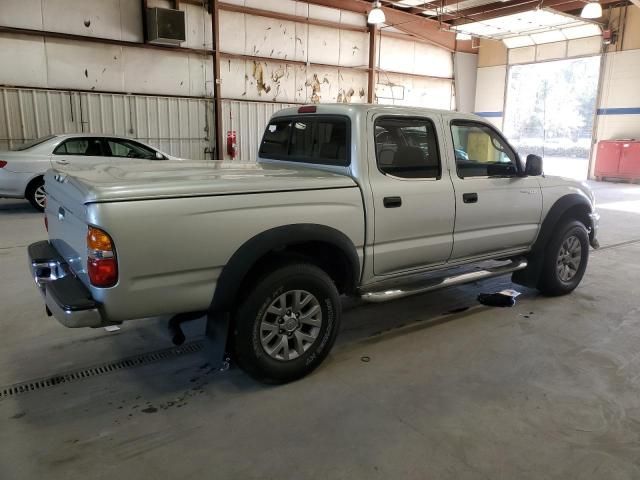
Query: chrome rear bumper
pixel 66 297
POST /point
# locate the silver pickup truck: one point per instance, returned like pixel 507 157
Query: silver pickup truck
pixel 372 201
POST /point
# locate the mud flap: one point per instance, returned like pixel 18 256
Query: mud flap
pixel 216 336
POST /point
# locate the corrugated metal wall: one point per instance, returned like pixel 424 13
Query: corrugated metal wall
pixel 180 126
pixel 248 120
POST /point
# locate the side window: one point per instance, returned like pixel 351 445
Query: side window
pixel 129 149
pixel 310 139
pixel 80 146
pixel 407 147
pixel 481 152
pixel 275 141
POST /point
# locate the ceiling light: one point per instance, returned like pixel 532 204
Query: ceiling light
pixel 591 10
pixel 376 15
pixel 463 36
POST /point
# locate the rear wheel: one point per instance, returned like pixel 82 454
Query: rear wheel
pixel 287 324
pixel 36 194
pixel 565 259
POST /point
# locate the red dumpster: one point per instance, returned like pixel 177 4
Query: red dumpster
pixel 618 159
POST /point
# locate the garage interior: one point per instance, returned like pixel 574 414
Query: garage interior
pixel 431 386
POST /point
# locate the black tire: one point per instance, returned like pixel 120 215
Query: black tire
pixel 551 282
pixel 33 193
pixel 250 354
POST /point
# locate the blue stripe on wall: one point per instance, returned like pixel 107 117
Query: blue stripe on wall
pixel 489 114
pixel 619 111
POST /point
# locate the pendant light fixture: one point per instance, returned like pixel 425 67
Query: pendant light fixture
pixel 376 15
pixel 591 10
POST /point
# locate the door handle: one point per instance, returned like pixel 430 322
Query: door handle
pixel 470 197
pixel 62 162
pixel 392 202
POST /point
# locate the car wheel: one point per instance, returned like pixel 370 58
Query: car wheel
pixel 287 324
pixel 36 194
pixel 565 260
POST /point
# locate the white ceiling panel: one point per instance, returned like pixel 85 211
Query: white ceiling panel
pixel 532 27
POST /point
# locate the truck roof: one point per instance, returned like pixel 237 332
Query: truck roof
pixel 358 109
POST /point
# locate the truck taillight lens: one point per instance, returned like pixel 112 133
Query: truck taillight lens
pixel 102 265
pixel 2 163
pixel 103 272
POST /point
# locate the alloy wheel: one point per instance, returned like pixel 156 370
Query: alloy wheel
pixel 40 196
pixel 569 258
pixel 290 325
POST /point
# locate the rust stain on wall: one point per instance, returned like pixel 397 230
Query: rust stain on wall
pixel 314 83
pixel 258 75
pixel 345 97
pixel 348 95
pixel 276 75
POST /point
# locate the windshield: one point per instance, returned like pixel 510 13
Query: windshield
pixel 32 143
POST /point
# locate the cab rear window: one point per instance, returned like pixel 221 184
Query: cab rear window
pixel 308 139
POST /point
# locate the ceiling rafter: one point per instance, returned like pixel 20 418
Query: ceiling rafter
pixel 501 9
pixel 417 25
pixel 437 29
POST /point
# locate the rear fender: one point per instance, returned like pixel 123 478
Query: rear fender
pixel 242 261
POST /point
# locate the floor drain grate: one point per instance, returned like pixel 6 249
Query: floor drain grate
pixel 101 369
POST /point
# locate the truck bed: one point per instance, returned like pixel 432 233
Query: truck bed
pixel 176 225
pixel 146 180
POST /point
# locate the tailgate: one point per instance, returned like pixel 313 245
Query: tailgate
pixel 66 217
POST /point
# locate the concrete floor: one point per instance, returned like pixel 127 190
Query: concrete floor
pixel 547 389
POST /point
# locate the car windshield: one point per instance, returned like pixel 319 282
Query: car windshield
pixel 32 143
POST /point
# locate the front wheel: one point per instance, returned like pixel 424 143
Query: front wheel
pixel 565 260
pixel 287 324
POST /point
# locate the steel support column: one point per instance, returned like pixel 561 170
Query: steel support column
pixel 371 88
pixel 215 36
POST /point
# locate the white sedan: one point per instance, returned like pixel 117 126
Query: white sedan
pixel 21 169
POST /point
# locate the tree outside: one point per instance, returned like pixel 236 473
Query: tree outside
pixel 550 111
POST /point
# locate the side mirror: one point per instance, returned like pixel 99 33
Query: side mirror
pixel 160 156
pixel 533 167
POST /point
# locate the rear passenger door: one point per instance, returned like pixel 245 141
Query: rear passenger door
pixel 78 152
pixel 120 149
pixel 414 204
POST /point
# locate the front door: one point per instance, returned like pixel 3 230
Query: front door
pixel 414 204
pixel 496 208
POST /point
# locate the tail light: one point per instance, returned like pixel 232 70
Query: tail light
pixel 2 163
pixel 102 266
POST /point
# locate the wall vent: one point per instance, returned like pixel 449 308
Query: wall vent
pixel 165 26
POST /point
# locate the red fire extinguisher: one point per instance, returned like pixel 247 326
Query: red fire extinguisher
pixel 231 144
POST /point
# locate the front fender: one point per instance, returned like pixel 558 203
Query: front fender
pixel 572 205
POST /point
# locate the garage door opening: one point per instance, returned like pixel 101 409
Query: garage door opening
pixel 550 111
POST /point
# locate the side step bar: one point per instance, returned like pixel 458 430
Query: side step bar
pixel 442 282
